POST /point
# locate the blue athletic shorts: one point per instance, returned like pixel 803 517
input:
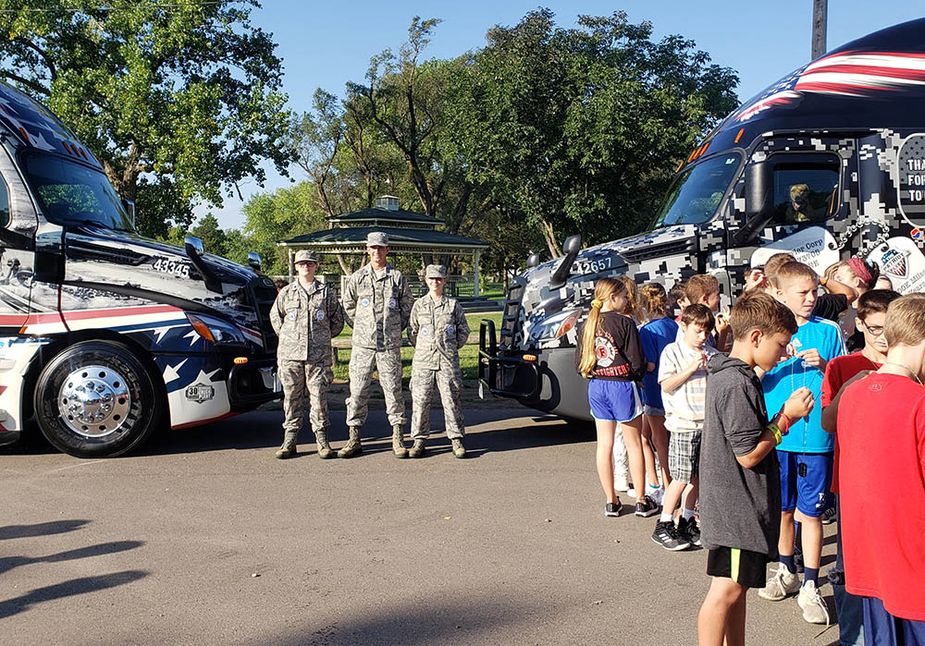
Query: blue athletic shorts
pixel 614 401
pixel 882 628
pixel 805 487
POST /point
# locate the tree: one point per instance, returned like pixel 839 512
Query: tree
pixel 581 129
pixel 179 101
pixel 212 236
pixel 271 218
pixel 404 100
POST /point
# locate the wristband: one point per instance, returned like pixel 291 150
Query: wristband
pixel 778 436
pixel 781 417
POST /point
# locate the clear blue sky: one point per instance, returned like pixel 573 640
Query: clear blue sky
pixel 326 44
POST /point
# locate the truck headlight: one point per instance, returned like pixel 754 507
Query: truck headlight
pixel 555 326
pixel 216 330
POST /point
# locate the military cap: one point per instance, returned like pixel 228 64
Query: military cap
pixel 377 239
pixel 435 271
pixel 304 255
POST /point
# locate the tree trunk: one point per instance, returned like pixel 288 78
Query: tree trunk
pixel 550 236
pixel 345 267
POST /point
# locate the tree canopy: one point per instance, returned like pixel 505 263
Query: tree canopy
pixel 579 130
pixel 178 100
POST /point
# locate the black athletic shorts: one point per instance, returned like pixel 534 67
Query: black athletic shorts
pixel 748 569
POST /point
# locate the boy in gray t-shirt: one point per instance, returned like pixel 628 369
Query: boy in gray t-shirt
pixel 739 479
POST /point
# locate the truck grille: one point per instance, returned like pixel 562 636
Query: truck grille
pixel 264 296
pixel 647 252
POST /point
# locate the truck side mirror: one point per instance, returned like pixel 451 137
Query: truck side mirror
pixel 571 248
pixel 254 260
pixel 759 201
pixel 533 260
pixel 195 244
pixel 130 210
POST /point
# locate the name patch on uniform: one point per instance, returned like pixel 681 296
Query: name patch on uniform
pixel 365 302
pixel 319 315
pixel 393 303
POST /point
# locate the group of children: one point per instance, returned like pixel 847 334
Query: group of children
pixel 748 403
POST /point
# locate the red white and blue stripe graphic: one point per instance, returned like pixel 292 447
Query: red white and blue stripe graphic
pixel 854 74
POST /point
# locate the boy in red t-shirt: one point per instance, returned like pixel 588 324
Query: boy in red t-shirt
pixel 871 316
pixel 881 430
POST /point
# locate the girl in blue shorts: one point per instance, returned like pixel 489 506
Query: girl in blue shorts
pixel 610 355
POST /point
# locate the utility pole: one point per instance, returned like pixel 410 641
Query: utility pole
pixel 820 19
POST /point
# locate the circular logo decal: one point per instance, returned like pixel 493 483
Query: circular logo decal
pixel 365 302
pixel 604 352
pixel 319 315
pixel 393 303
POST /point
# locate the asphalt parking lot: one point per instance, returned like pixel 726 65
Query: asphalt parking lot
pixel 205 538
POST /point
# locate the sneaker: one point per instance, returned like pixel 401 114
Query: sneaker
pixel 690 530
pixel 814 609
pixel 669 537
pixel 646 508
pixel 631 491
pixel 828 516
pixel 781 585
pixel 613 509
pixel 655 494
pixel 621 484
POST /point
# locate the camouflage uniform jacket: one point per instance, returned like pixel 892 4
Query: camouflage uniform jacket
pixel 438 330
pixel 306 319
pixel 377 307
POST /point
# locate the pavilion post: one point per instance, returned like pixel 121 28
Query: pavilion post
pixel 291 263
pixel 476 257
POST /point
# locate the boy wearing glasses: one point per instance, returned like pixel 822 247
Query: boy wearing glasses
pixel 438 330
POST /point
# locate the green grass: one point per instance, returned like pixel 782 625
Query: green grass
pixel 468 354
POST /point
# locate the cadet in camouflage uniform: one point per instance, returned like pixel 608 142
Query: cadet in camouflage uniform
pixel 377 301
pixel 439 329
pixel 306 315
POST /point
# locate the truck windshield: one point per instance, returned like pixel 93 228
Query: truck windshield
pixel 71 193
pixel 695 194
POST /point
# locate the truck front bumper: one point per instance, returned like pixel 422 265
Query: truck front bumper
pixel 545 380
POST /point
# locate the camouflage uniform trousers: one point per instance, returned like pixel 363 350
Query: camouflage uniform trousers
pixel 301 378
pixel 388 363
pixel 448 380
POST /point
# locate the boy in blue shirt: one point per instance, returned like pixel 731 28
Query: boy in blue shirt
pixel 805 454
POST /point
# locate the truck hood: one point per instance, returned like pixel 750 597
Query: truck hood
pixel 131 266
pixel 612 258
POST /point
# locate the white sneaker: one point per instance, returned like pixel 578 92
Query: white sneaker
pixel 781 585
pixel 814 609
pixel 620 484
pixel 631 492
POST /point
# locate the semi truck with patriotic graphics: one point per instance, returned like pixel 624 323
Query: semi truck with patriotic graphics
pixel 827 163
pixel 106 335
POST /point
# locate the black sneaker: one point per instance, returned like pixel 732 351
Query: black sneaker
pixel 828 516
pixel 690 530
pixel 667 536
pixel 646 508
pixel 613 509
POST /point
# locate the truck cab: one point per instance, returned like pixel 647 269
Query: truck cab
pixel 106 335
pixel 827 163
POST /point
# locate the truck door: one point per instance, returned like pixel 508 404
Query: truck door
pixel 17 246
pixel 793 202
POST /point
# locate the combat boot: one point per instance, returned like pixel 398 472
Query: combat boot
pixel 288 449
pixel 324 449
pixel 353 446
pixel 458 449
pixel 418 449
pixel 398 443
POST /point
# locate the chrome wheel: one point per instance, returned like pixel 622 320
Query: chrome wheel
pixel 94 401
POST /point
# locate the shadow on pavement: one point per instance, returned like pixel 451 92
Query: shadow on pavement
pixel 41 529
pixel 427 622
pixel 70 588
pixel 10 562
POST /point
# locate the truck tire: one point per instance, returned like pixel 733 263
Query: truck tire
pixel 96 400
